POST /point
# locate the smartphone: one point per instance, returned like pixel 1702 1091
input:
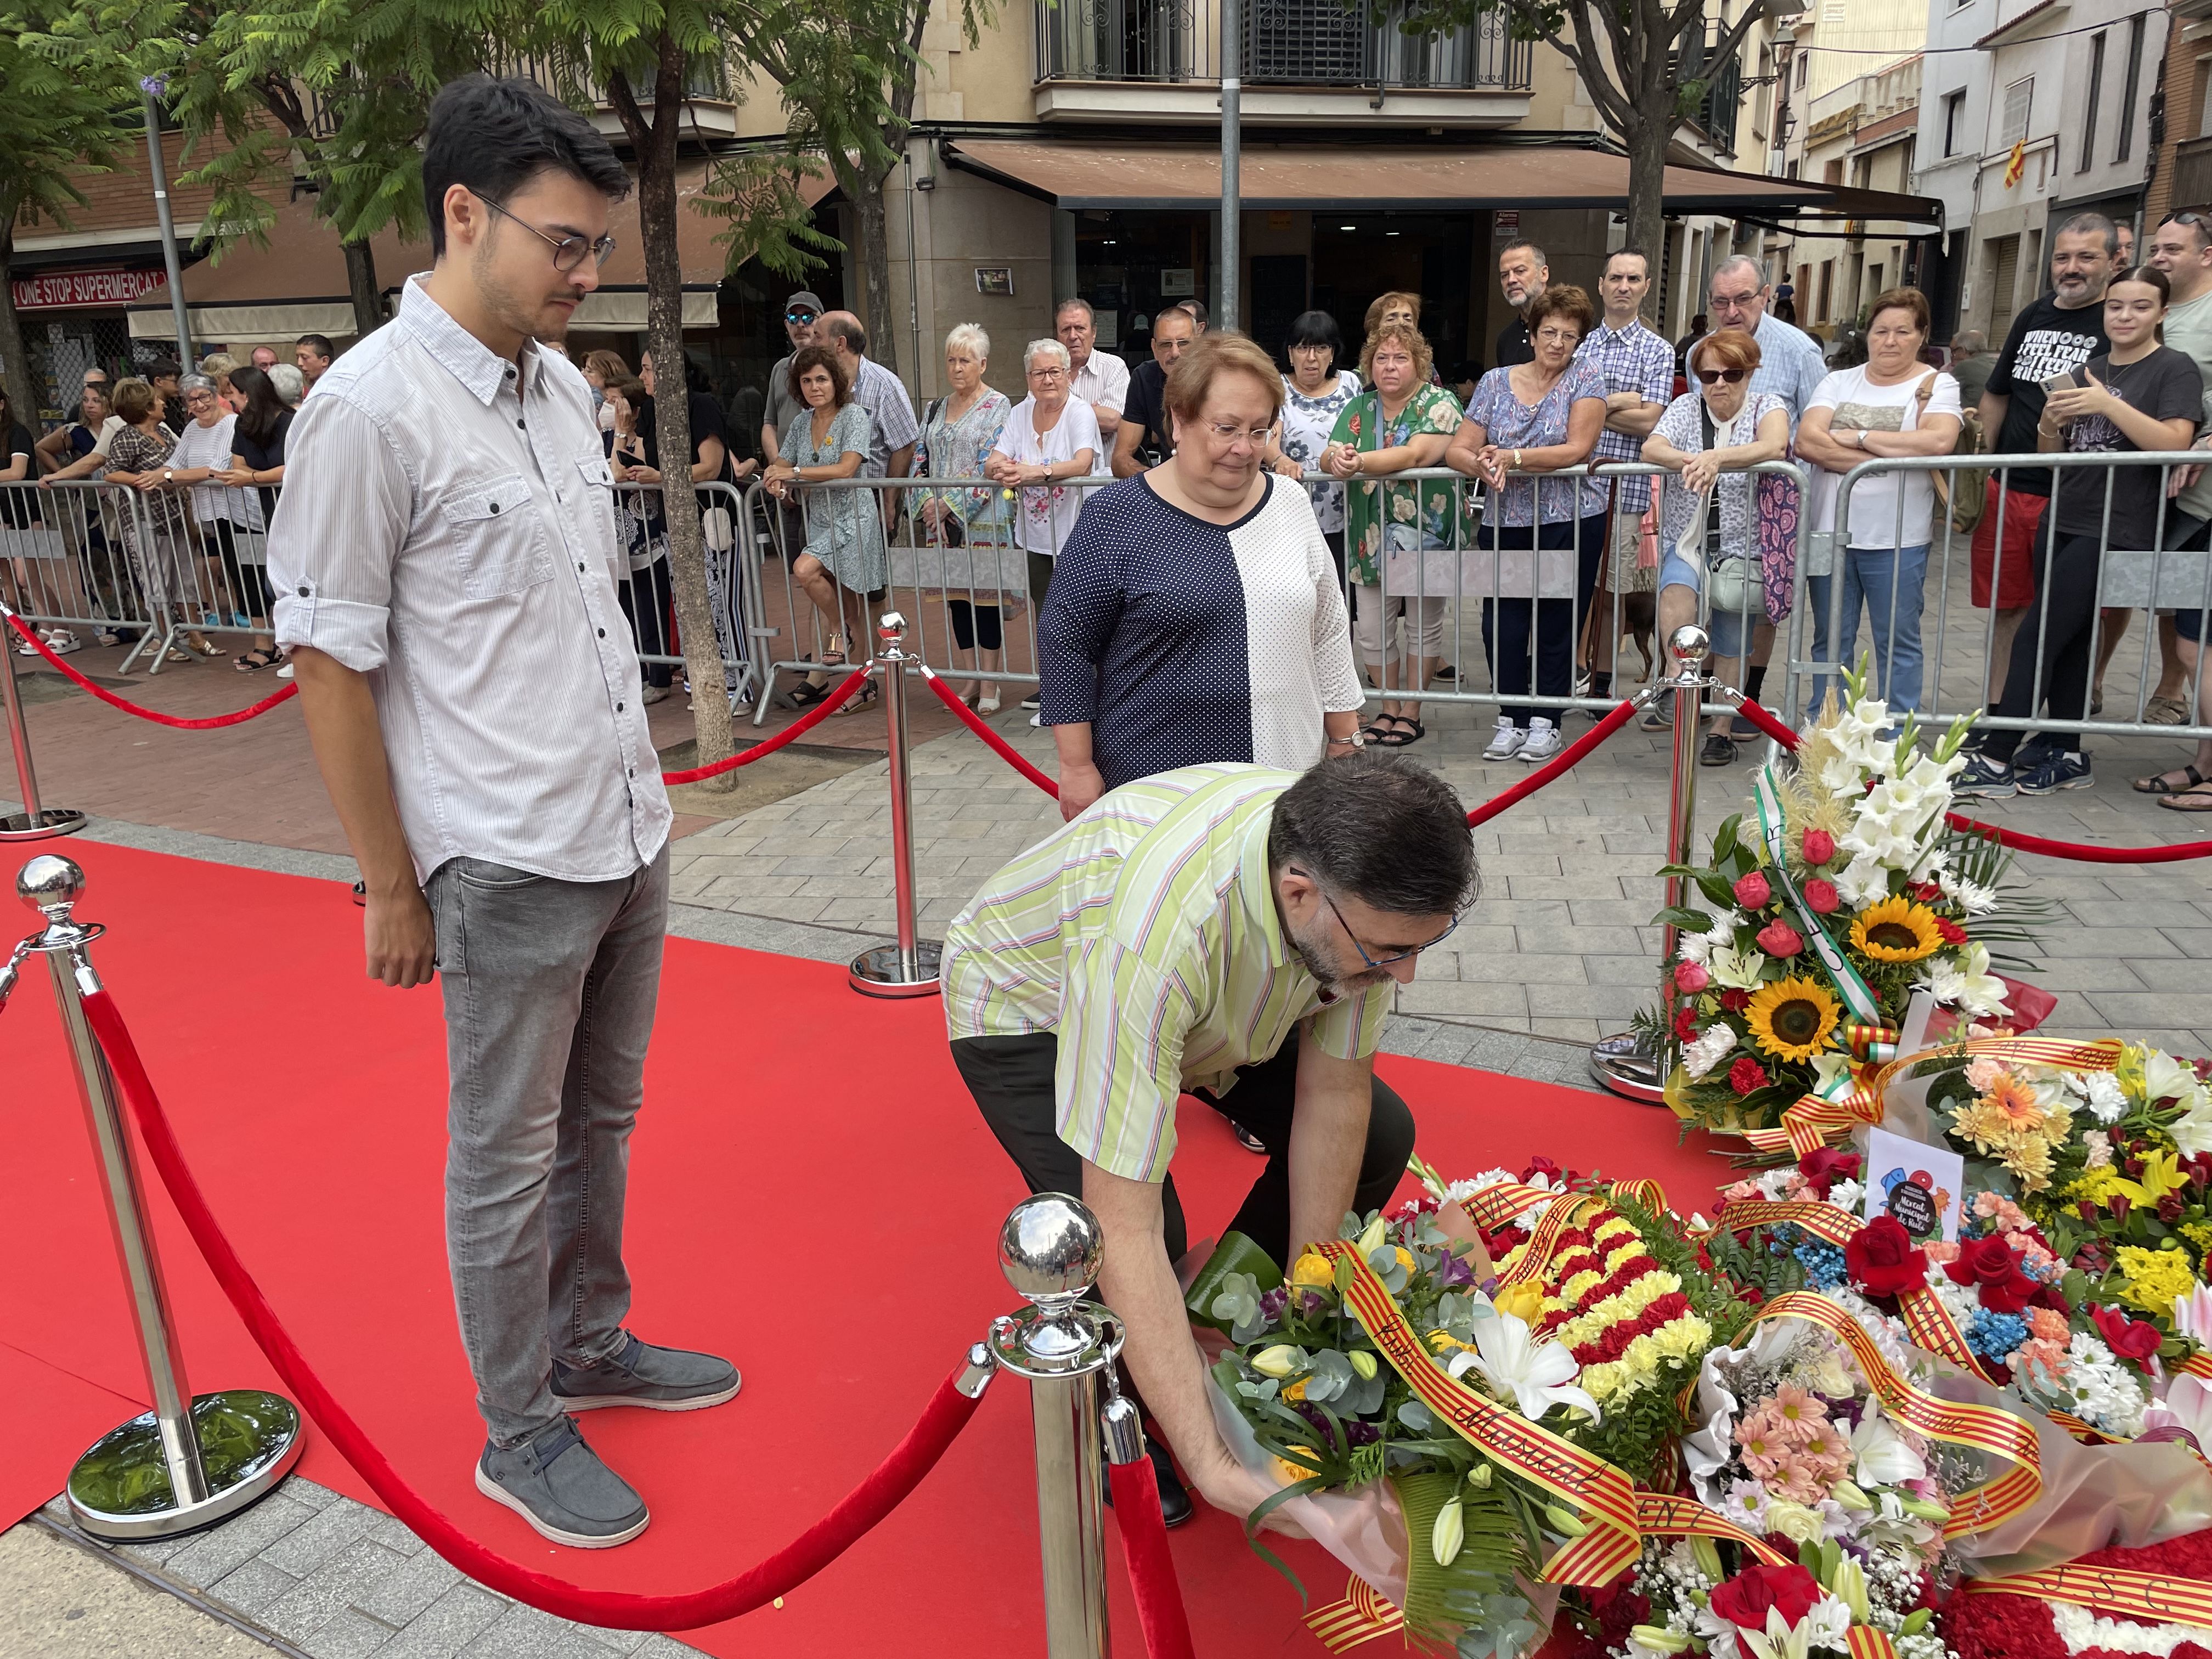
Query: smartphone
pixel 2064 381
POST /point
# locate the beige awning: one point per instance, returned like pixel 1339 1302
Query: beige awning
pixel 1087 173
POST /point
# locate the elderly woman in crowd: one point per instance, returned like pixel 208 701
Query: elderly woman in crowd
pixel 1195 616
pixel 1891 405
pixel 1314 396
pixel 220 515
pixel 1708 529
pixel 1399 423
pixel 1049 438
pixel 845 564
pixel 968 526
pixel 1525 420
pixel 73 452
pixel 156 537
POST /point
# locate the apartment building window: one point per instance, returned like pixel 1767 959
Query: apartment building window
pixel 1832 173
pixel 2096 97
pixel 2019 100
pixel 1828 289
pixel 1955 121
pixel 1804 68
pixel 2128 88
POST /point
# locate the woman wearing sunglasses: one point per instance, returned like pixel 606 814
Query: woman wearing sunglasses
pixel 1890 406
pixel 1712 436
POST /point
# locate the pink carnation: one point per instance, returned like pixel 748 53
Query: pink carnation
pixel 1780 938
pixel 1690 978
pixel 2048 1325
pixel 1752 891
pixel 1940 1252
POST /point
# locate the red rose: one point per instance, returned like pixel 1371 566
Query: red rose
pixel 1745 1075
pixel 1822 897
pixel 1735 1001
pixel 1752 891
pixel 1819 846
pixel 1883 1259
pixel 1952 932
pixel 1824 1166
pixel 2132 1339
pixel 1541 1165
pixel 1780 938
pixel 1690 978
pixel 1743 1601
pixel 1989 1265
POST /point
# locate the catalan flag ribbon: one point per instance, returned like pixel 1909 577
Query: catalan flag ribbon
pixel 1362 1616
pixel 2144 1595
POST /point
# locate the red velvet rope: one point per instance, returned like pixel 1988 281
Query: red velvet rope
pixel 1152 1569
pixel 2019 840
pixel 883 1490
pixel 975 723
pixel 211 723
pixel 1564 761
pixel 798 728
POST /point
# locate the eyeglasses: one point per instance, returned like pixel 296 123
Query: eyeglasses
pixel 1396 956
pixel 1732 302
pixel 801 317
pixel 1559 336
pixel 1228 432
pixel 1047 374
pixel 2188 217
pixel 1709 375
pixel 569 252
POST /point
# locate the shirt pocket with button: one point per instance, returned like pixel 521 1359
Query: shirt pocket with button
pixel 499 538
pixel 597 509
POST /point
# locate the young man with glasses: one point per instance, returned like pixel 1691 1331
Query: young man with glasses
pixel 802 320
pixel 446 563
pixel 1229 930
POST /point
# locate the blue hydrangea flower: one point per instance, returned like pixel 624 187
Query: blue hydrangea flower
pixel 1994 1335
pixel 1823 1263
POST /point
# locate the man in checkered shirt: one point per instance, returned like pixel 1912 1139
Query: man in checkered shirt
pixel 1638 369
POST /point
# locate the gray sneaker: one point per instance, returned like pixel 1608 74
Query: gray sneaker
pixel 558 1483
pixel 657 1379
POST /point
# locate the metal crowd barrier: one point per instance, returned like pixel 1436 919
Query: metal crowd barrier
pixel 986 571
pixel 1963 663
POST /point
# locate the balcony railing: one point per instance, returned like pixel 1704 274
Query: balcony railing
pixel 1287 42
pixel 1715 113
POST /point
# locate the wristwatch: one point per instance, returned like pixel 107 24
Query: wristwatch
pixel 168 474
pixel 1357 740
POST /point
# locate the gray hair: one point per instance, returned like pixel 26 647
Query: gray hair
pixel 968 337
pixel 1739 262
pixel 1542 259
pixel 291 385
pixel 1074 303
pixel 2089 224
pixel 1968 341
pixel 192 383
pixel 1051 349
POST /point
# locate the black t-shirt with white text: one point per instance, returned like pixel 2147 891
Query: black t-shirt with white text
pixel 1147 405
pixel 2046 339
pixel 2165 385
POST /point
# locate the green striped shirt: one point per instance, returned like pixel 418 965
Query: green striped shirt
pixel 1146 935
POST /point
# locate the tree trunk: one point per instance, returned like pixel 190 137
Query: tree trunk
pixel 872 233
pixel 664 332
pixel 1647 187
pixel 23 390
pixel 361 281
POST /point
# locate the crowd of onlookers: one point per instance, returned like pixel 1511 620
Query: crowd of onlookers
pixel 2116 357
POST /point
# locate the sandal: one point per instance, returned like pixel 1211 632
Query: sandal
pixel 204 646
pixel 2188 800
pixel 2159 786
pixel 261 657
pixel 860 700
pixel 1392 737
pixel 805 695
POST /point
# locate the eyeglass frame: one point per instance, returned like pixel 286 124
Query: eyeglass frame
pixel 1230 432
pixel 1374 962
pixel 600 249
pixel 1715 376
pixel 796 319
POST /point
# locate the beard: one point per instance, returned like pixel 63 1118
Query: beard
pixel 1319 961
pixel 526 310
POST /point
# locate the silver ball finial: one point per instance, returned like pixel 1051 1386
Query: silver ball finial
pixel 891 626
pixel 1689 643
pixel 49 883
pixel 1050 1250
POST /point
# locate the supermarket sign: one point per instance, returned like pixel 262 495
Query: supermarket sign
pixel 61 289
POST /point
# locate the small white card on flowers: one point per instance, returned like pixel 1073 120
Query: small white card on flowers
pixel 1923 1186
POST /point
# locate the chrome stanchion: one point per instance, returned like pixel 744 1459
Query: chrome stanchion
pixel 1626 1064
pixel 1050 1250
pixel 194 1459
pixel 909 968
pixel 34 821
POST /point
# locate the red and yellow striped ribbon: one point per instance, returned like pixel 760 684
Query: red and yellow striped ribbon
pixel 1362 1616
pixel 1931 1326
pixel 2147 1596
pixel 1867 1041
pixel 1584 1482
pixel 2198 1363
pixel 1494 1206
pixel 1657 1514
pixel 1808 1125
pixel 1562 1218
pixel 1865 1642
pixel 1961 1423
pixel 1826 1221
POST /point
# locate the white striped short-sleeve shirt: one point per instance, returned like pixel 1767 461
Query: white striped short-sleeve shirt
pixel 447 529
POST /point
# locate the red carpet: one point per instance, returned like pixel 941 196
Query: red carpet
pixel 812 1194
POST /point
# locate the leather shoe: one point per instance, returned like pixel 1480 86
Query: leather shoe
pixel 1175 1499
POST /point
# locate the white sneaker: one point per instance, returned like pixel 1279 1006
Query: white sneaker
pixel 1506 741
pixel 285 672
pixel 1543 740
pixel 1037 719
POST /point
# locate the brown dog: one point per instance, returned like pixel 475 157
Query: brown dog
pixel 1639 612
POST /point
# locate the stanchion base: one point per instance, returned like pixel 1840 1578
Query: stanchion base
pixel 249 1440
pixel 42 825
pixel 878 973
pixel 1621 1065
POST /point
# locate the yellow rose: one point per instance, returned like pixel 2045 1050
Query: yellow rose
pixel 1796 1523
pixel 1312 1272
pixel 1524 1300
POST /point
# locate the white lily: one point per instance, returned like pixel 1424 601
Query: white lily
pixel 1538 1374
pixel 2187 1407
pixel 1966 983
pixel 1881 1456
pixel 1736 970
pixel 2166 1077
pixel 2192 1131
pixel 1779 1640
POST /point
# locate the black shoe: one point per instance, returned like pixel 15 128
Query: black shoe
pixel 2058 771
pixel 361 893
pixel 1175 1500
pixel 1717 752
pixel 1986 778
pixel 1247 1139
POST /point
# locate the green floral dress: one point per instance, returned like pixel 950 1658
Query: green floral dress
pixel 1423 512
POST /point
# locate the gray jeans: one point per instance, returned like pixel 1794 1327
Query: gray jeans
pixel 549 989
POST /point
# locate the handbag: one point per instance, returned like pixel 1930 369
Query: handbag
pixel 1729 582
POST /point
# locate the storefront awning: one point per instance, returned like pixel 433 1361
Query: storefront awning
pixel 1082 174
pixel 296 284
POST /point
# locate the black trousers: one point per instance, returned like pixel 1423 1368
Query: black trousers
pixel 648 600
pixel 1010 1078
pixel 2066 592
pixel 1506 624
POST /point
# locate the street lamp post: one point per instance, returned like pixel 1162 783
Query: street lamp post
pixel 153 86
pixel 1232 52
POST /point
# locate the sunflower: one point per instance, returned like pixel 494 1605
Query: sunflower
pixel 1897 930
pixel 1791 1018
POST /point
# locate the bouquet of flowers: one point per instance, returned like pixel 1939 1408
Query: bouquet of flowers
pixel 1844 894
pixel 1692 1603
